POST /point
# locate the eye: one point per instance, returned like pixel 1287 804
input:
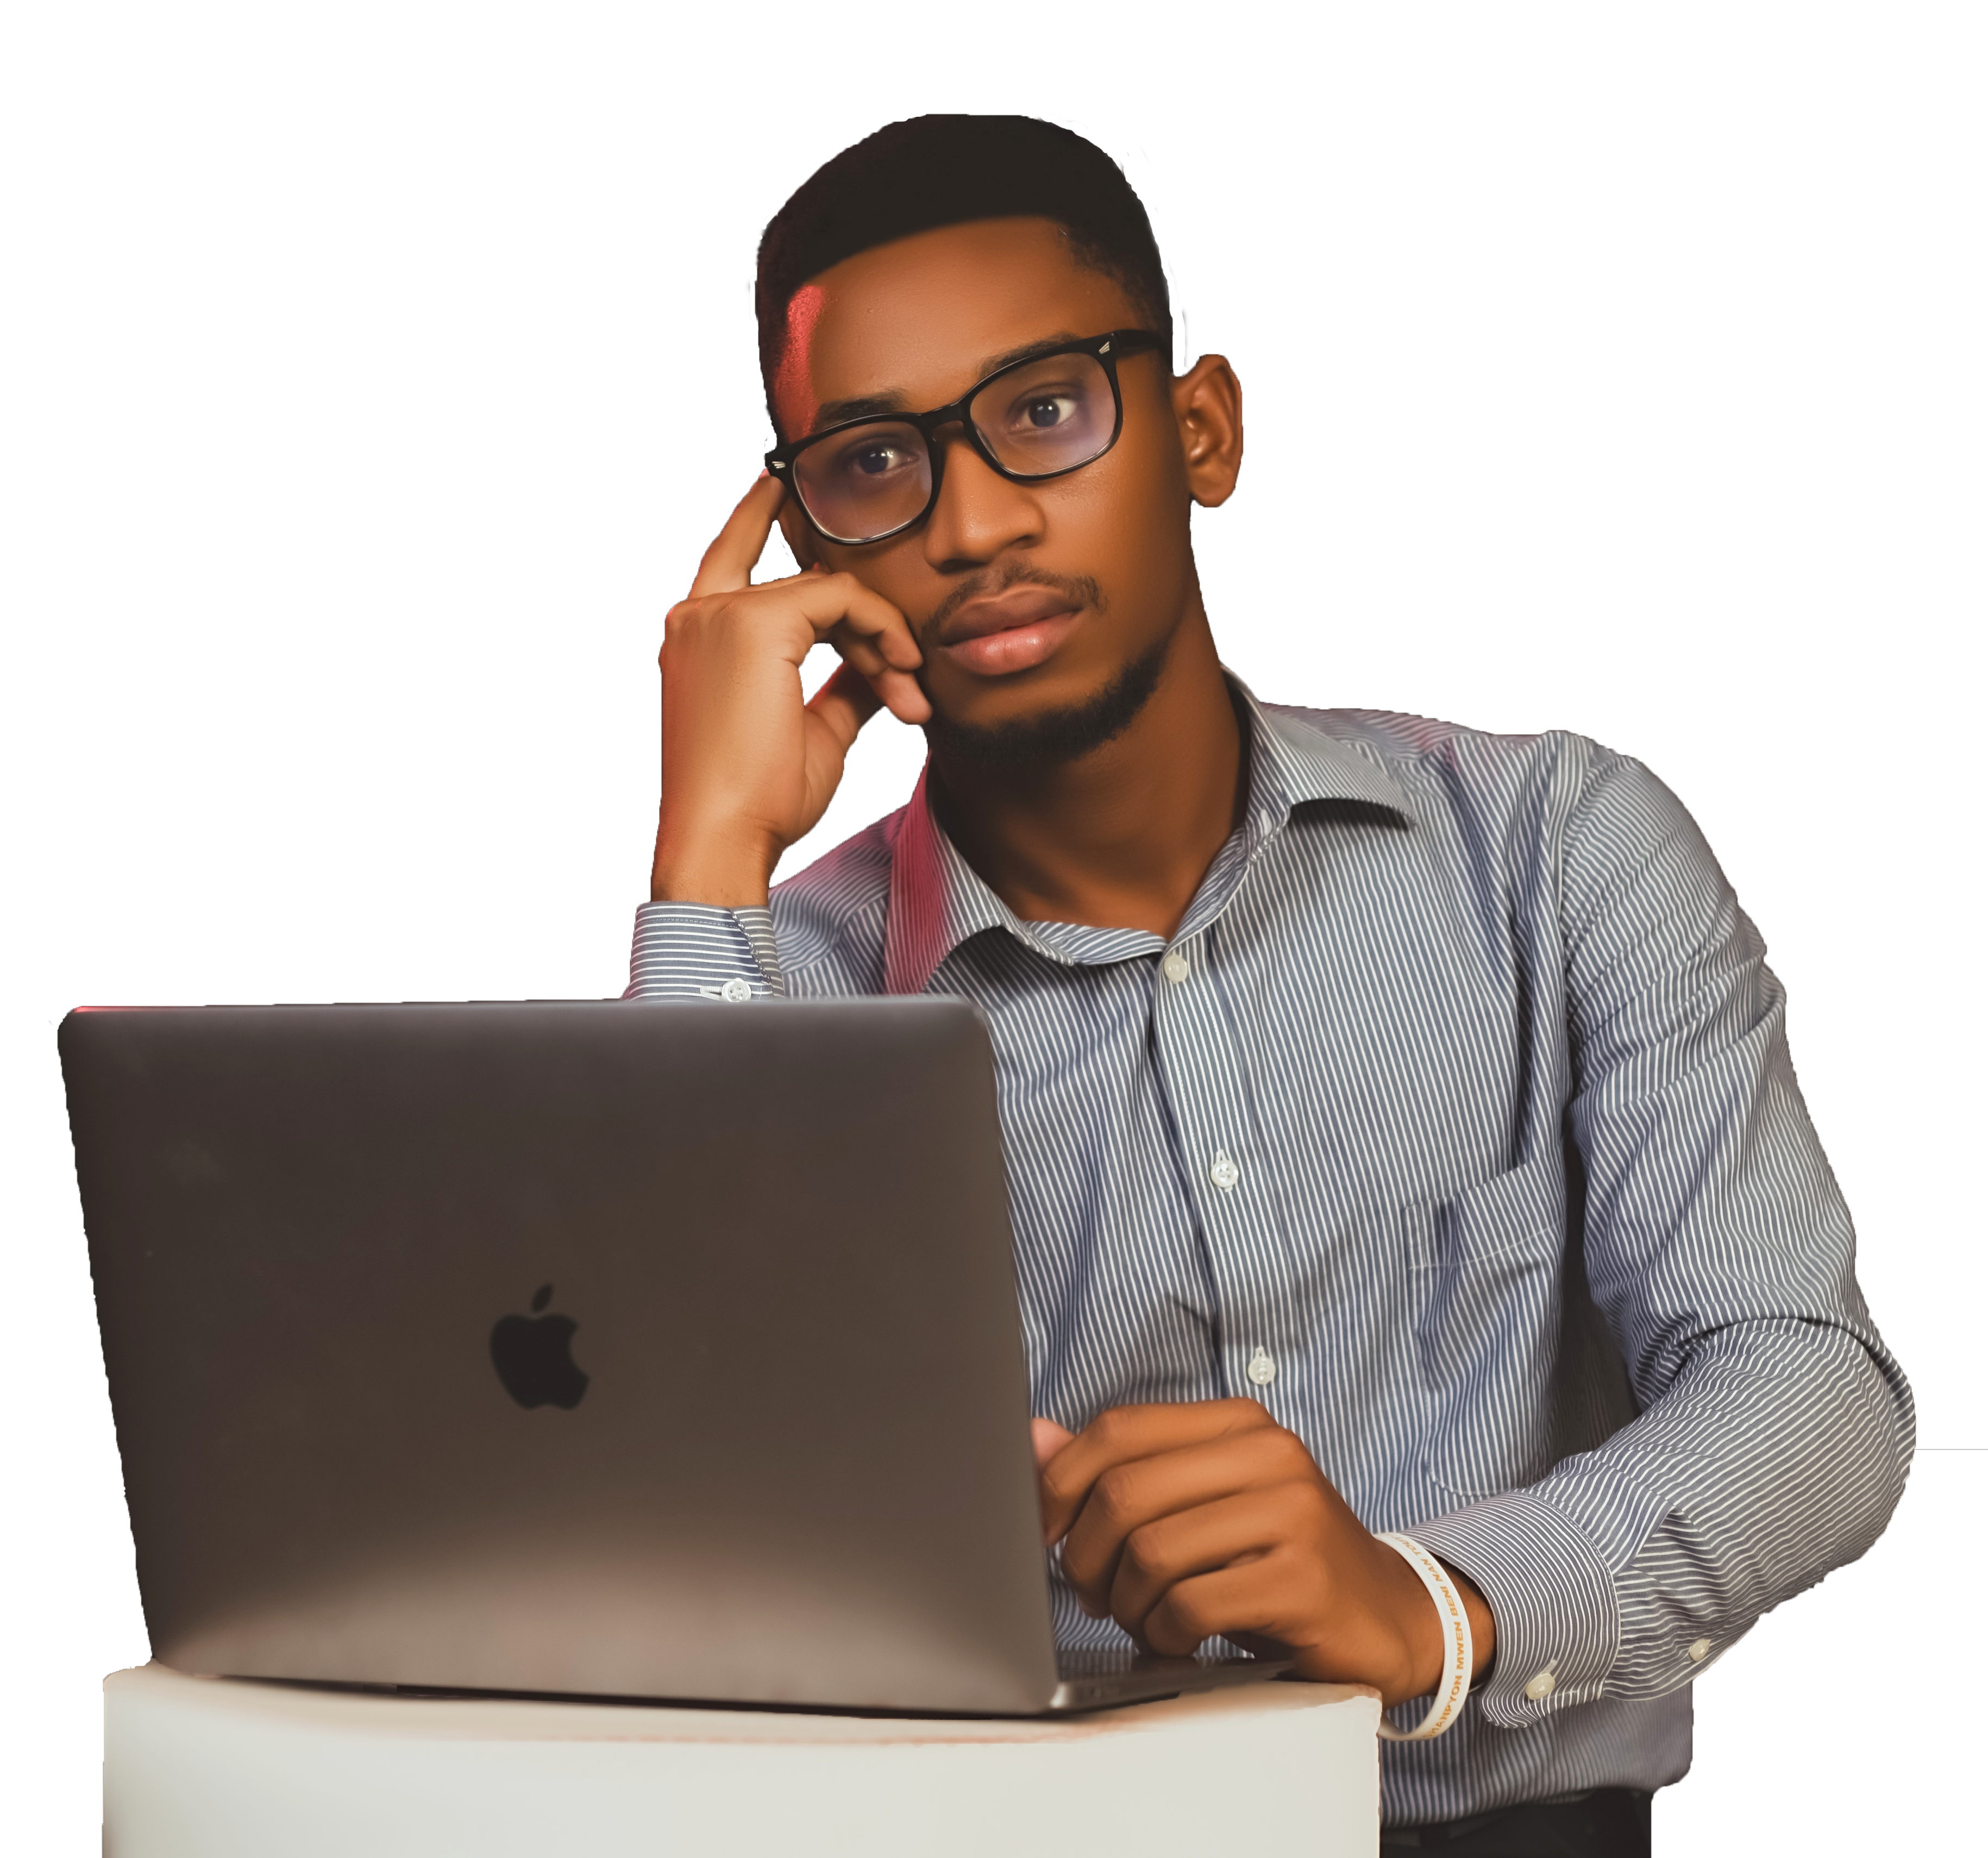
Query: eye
pixel 1052 401
pixel 876 458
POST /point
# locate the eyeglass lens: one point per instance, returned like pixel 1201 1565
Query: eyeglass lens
pixel 1050 416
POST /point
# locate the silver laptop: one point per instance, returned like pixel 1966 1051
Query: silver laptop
pixel 615 1348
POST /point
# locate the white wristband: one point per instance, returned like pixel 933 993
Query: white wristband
pixel 1454 1685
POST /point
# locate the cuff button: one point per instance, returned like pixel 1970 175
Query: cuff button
pixel 1539 1686
pixel 1699 1650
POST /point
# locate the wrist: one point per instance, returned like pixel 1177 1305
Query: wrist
pixel 726 872
pixel 1451 1687
pixel 1426 1660
pixel 1430 1652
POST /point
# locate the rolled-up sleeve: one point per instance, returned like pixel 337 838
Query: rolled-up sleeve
pixel 1774 1429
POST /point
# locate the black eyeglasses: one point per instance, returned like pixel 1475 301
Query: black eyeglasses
pixel 867 479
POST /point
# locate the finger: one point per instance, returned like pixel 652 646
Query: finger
pixel 899 692
pixel 729 563
pixel 783 580
pixel 904 697
pixel 1158 1557
pixel 858 653
pixel 1049 1438
pixel 840 604
pixel 1129 1497
pixel 838 609
pixel 846 702
pixel 1125 1434
pixel 1231 1600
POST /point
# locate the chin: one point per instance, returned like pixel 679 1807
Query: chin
pixel 1055 728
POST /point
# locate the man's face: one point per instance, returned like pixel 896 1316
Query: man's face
pixel 1028 599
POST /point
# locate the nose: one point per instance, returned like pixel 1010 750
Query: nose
pixel 978 513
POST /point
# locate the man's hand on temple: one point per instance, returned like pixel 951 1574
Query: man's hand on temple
pixel 1185 1522
pixel 748 766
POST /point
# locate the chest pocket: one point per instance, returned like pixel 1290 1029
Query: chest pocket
pixel 1491 1266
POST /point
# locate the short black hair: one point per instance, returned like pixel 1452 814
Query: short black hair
pixel 944 171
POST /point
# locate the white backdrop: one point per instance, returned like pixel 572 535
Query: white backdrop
pixel 249 443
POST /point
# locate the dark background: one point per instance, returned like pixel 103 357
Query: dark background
pixel 605 416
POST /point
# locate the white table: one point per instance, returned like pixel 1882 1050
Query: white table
pixel 208 1768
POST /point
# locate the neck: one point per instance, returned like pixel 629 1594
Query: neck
pixel 1120 838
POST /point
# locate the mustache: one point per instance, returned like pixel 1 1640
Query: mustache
pixel 1078 589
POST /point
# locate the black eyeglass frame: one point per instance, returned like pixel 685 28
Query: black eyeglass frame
pixel 1104 350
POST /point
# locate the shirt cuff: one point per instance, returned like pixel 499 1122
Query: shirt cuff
pixel 691 951
pixel 1552 1598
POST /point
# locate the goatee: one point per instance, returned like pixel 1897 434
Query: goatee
pixel 1057 736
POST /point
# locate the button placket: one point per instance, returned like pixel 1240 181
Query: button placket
pixel 1201 1076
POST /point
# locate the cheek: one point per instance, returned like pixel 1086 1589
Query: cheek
pixel 896 571
pixel 1125 517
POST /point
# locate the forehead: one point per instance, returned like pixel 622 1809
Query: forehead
pixel 919 320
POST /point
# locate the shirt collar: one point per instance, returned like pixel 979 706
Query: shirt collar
pixel 937 900
pixel 1292 760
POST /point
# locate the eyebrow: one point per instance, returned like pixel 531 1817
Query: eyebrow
pixel 880 405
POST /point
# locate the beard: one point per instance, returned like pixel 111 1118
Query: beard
pixel 1056 736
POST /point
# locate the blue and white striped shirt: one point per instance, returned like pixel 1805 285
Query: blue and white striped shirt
pixel 1455 1124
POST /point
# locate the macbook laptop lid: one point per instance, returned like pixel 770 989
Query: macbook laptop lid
pixel 659 1349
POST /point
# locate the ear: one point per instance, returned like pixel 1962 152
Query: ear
pixel 1207 409
pixel 800 538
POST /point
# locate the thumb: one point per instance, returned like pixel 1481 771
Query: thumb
pixel 1049 1438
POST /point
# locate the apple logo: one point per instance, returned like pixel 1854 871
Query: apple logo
pixel 534 1357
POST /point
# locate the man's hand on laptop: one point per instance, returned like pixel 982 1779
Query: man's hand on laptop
pixel 748 766
pixel 1205 1519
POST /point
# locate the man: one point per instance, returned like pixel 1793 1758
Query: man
pixel 1401 1131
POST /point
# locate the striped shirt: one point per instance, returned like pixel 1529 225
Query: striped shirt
pixel 1455 1124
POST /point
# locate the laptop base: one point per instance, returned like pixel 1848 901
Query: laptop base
pixel 1104 1680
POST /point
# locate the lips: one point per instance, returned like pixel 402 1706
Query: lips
pixel 1012 631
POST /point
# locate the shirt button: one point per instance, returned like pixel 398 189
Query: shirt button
pixel 1223 1172
pixel 1262 1369
pixel 1540 1687
pixel 1699 1650
pixel 1174 967
pixel 736 989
